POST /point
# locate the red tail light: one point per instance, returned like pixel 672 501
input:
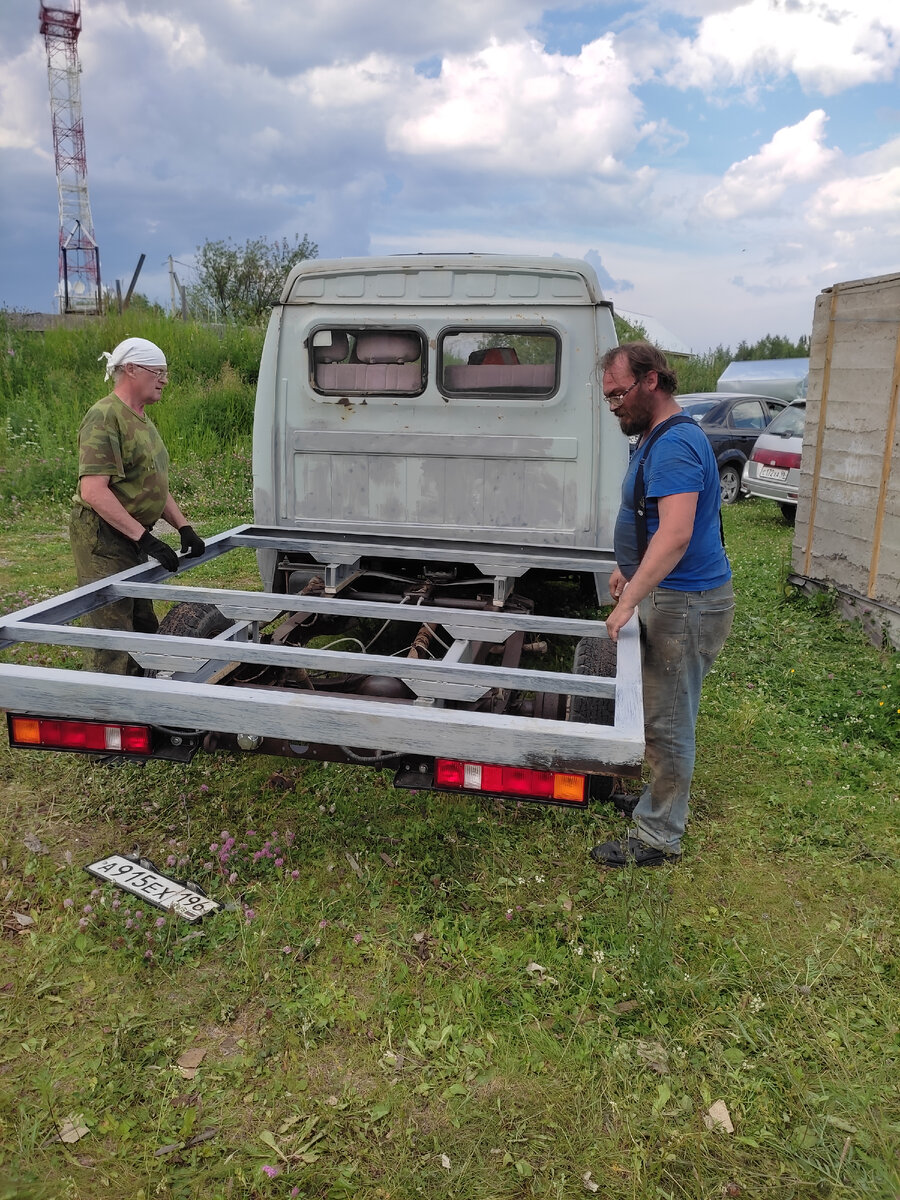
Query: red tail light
pixel 558 786
pixel 41 733
pixel 776 458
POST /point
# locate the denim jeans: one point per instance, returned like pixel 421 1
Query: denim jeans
pixel 681 635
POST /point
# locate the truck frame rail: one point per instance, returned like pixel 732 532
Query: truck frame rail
pixel 185 691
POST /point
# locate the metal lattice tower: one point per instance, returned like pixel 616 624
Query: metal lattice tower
pixel 79 255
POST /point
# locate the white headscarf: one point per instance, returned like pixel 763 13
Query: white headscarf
pixel 135 350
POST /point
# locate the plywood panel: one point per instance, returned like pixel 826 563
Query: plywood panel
pixel 850 473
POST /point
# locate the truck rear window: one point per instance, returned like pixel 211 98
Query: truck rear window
pixel 367 362
pixel 493 362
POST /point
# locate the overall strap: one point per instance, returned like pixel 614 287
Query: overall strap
pixel 640 499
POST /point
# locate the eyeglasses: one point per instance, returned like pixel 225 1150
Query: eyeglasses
pixel 161 373
pixel 616 398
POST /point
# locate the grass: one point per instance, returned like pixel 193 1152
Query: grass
pixel 410 995
pixel 414 995
pixel 49 380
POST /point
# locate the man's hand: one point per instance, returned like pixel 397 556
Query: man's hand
pixel 623 610
pixel 164 555
pixel 619 616
pixel 617 584
pixel 191 544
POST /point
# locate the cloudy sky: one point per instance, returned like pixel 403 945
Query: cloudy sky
pixel 719 162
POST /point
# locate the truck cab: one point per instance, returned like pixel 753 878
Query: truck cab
pixel 435 485
pixel 449 396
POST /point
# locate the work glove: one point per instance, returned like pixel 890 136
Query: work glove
pixel 191 544
pixel 164 555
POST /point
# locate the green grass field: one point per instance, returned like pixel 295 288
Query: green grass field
pixel 415 995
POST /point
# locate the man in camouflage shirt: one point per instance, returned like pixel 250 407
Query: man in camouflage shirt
pixel 123 490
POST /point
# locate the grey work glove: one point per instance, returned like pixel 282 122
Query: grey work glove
pixel 164 555
pixel 191 544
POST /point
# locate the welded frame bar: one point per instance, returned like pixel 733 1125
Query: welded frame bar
pixel 320 716
pixel 177 654
pixel 316 717
pixel 501 558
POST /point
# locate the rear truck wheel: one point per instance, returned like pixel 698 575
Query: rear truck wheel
pixel 189 620
pixel 193 620
pixel 730 483
pixel 789 513
pixel 594 656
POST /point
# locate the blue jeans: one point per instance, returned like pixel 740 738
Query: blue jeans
pixel 681 635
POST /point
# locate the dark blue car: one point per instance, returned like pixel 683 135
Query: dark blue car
pixel 732 421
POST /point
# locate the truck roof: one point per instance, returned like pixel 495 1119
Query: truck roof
pixel 442 279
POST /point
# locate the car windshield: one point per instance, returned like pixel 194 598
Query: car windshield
pixel 697 408
pixel 789 422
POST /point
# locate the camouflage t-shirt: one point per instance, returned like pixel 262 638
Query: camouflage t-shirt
pixel 114 441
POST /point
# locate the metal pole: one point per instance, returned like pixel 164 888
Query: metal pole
pixel 134 279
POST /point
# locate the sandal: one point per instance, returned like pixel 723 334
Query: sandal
pixel 631 851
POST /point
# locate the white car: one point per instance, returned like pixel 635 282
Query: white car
pixel 773 468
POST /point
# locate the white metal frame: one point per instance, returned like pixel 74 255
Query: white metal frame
pixel 183 698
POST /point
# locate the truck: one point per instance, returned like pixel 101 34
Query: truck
pixel 435 486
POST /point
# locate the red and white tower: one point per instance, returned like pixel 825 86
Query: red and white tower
pixel 79 255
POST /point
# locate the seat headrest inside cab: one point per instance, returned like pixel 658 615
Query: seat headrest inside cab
pixel 387 347
pixel 336 352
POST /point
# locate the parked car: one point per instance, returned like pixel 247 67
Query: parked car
pixel 732 421
pixel 773 469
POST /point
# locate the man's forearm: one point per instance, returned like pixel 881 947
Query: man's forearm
pixel 105 504
pixel 173 514
pixel 662 557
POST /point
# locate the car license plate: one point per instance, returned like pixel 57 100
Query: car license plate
pixel 149 885
pixel 778 473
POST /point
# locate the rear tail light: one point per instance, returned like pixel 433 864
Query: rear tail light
pixel 776 458
pixel 555 786
pixel 42 733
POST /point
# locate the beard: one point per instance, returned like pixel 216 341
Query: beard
pixel 639 415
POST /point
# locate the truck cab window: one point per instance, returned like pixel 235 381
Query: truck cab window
pixel 367 362
pixel 495 363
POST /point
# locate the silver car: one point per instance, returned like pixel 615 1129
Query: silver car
pixel 773 468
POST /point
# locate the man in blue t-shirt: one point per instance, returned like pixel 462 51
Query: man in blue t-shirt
pixel 676 574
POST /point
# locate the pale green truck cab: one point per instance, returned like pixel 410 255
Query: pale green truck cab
pixel 435 484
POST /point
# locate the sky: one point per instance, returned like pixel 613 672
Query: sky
pixel 718 162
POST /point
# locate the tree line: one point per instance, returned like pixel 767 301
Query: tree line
pixel 700 372
pixel 239 284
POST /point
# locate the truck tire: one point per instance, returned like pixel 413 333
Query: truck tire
pixel 193 620
pixel 594 656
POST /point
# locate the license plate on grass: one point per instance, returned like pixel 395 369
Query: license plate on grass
pixel 775 473
pixel 150 885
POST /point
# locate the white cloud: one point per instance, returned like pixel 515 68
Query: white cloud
pixel 826 44
pixel 866 198
pixel 450 125
pixel 24 103
pixel 515 108
pixel 375 79
pixel 755 186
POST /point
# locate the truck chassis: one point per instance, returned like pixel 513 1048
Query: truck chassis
pixel 452 605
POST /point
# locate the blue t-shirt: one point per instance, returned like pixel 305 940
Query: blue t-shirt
pixel 680 460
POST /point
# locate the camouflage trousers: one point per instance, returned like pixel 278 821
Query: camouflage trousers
pixel 99 550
